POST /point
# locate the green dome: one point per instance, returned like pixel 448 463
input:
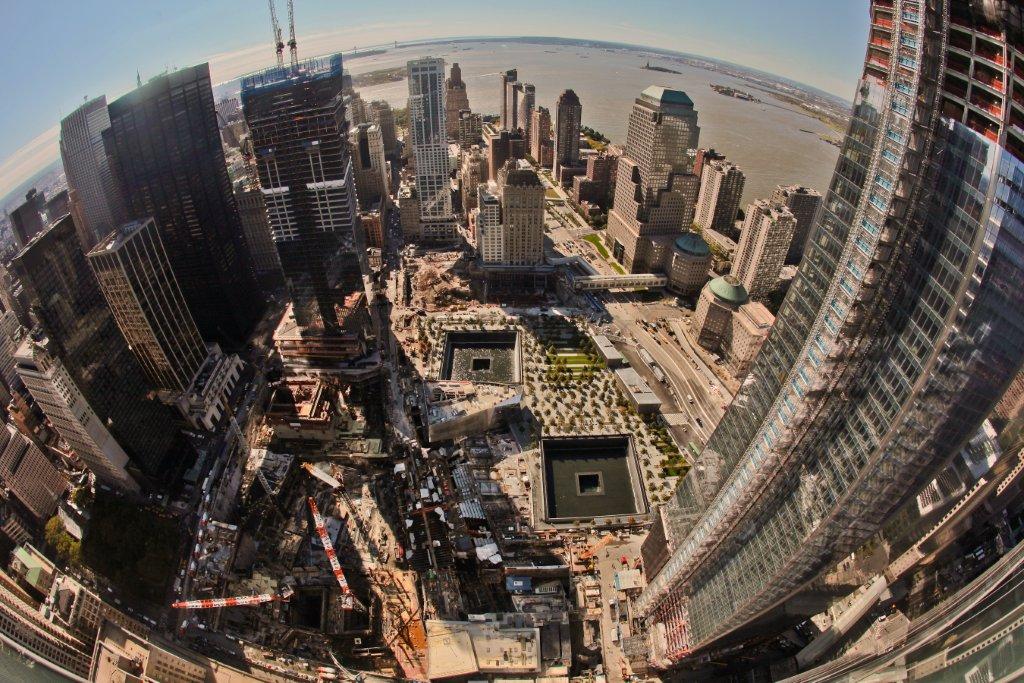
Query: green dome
pixel 692 244
pixel 728 289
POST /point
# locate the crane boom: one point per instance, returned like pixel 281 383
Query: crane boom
pixel 276 29
pixel 332 557
pixel 292 44
pixel 321 475
pixel 240 601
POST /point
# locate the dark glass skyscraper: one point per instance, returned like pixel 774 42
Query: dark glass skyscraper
pixel 300 136
pixel 166 153
pixel 82 334
pixel 902 329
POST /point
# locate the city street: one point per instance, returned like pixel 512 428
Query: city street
pixel 687 375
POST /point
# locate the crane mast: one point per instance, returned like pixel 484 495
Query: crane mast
pixel 292 44
pixel 276 30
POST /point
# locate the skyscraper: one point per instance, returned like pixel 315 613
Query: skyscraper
pixel 427 133
pixel 252 211
pixel 381 114
pixel 522 216
pixel 804 203
pixel 568 118
pixel 767 233
pixel 899 334
pixel 135 276
pixel 721 189
pixel 473 172
pixel 540 137
pixel 527 102
pixel 306 177
pixel 456 99
pixel 167 156
pixel 369 166
pixel 88 171
pixel 81 372
pixel 654 189
pixel 470 128
pixel 27 218
pixel 509 100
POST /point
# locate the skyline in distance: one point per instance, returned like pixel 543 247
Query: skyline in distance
pixel 232 37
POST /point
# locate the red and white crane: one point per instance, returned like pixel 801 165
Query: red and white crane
pixel 348 600
pixel 239 601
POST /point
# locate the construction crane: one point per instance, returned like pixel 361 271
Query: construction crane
pixel 239 601
pixel 321 475
pixel 348 600
pixel 276 29
pixel 592 550
pixel 292 45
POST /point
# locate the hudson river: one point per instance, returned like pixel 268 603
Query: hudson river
pixel 765 139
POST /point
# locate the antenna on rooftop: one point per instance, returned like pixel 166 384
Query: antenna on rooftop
pixel 276 30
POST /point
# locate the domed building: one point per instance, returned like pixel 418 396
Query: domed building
pixel 688 264
pixel 727 322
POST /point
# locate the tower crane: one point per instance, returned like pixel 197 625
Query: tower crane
pixel 276 29
pixel 238 601
pixel 292 45
pixel 348 600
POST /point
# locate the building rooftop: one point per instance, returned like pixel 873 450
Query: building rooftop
pixel 693 244
pixel 728 288
pixel 638 389
pixel 661 95
pixel 307 69
pixel 462 648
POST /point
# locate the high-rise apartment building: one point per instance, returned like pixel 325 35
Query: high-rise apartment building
pixel 87 168
pixel 470 128
pixel 900 332
pixel 166 154
pixel 509 218
pixel 306 177
pixel 804 203
pixel 721 189
pixel 502 146
pixel 568 119
pixel 81 372
pixel 380 113
pixel 472 173
pixel 764 241
pixel 456 100
pixel 369 166
pixel 29 475
pixel 509 100
pixel 486 222
pixel 522 215
pixel 527 103
pixel 705 156
pixel 654 189
pixel 541 145
pixel 598 183
pixel 428 136
pixel 355 109
pixel 135 276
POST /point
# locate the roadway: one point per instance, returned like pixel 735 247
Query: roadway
pixel 685 371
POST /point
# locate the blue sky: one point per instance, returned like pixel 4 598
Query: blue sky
pixel 61 51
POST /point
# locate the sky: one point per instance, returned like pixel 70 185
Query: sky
pixel 61 51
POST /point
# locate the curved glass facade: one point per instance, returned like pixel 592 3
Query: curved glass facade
pixel 899 334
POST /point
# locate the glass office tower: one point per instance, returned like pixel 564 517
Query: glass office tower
pixel 901 331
